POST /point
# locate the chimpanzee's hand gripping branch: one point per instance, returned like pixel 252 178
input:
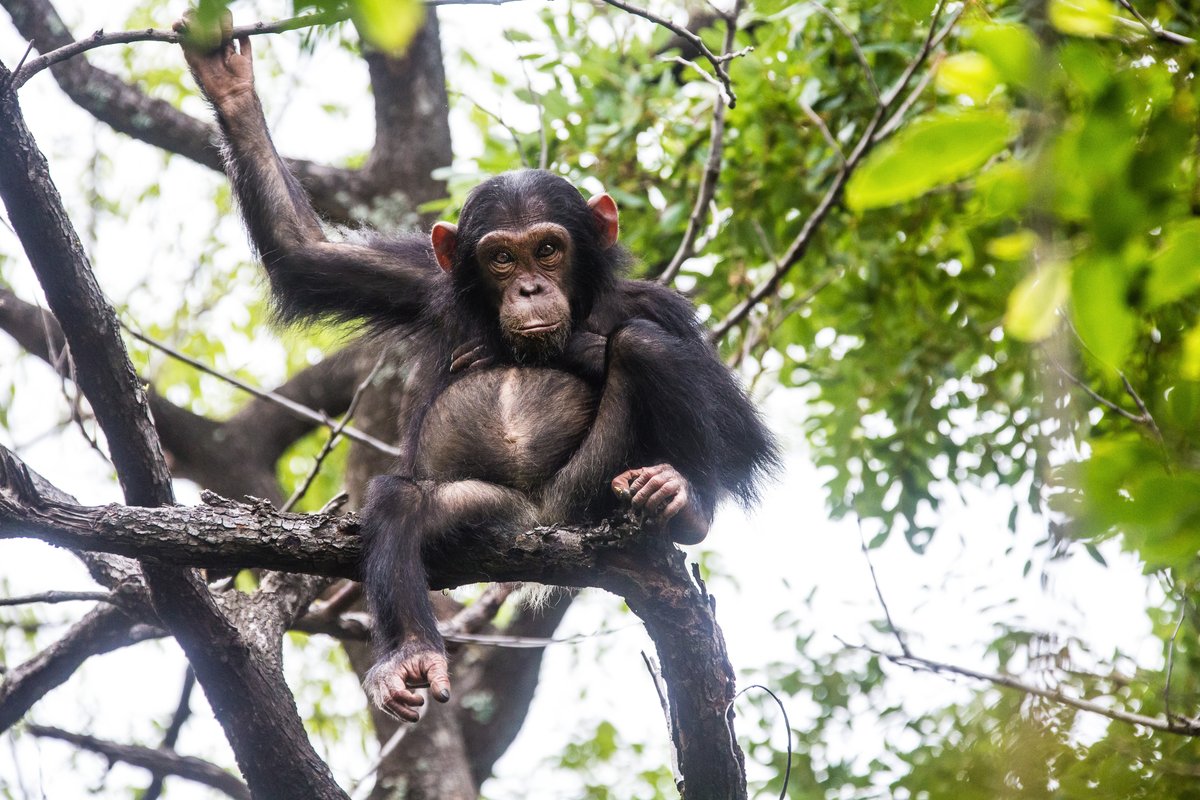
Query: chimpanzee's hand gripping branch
pixel 547 387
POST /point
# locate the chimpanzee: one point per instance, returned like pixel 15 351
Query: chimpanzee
pixel 548 388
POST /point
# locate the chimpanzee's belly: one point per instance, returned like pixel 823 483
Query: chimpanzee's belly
pixel 515 426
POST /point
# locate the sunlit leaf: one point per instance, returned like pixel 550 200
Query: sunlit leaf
pixel 1014 246
pixel 1033 305
pixel 1102 317
pixel 388 25
pixel 931 152
pixel 1011 49
pixel 1175 269
pixel 970 74
pixel 1081 17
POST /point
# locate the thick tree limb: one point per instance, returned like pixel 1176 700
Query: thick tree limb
pixel 102 630
pixel 246 690
pixel 163 762
pixel 647 570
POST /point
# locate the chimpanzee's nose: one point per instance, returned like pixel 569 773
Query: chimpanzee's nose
pixel 530 288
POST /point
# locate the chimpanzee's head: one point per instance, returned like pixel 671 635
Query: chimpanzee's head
pixel 534 253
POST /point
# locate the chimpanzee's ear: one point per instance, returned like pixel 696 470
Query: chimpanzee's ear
pixel 604 211
pixel 445 242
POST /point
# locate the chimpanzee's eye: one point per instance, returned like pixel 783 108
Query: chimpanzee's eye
pixel 503 257
pixel 546 250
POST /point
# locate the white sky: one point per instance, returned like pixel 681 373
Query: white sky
pixel 775 557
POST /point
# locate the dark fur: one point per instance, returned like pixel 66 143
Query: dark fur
pixel 682 406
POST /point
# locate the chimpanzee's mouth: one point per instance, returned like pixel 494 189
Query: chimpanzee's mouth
pixel 538 329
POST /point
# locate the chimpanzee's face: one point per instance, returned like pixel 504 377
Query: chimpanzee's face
pixel 527 269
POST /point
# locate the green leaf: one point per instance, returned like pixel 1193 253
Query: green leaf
pixel 1189 367
pixel 1013 247
pixel 971 74
pixel 1012 49
pixel 1175 269
pixel 1032 306
pixel 1081 17
pixel 388 25
pixel 1100 313
pixel 931 152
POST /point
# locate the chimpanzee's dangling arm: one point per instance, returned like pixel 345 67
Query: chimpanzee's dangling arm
pixel 387 283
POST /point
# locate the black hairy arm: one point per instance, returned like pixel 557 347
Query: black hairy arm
pixel 383 280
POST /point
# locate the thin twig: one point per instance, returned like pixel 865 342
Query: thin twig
pixel 335 436
pixel 691 38
pixel 102 39
pixel 660 688
pixel 1092 393
pixel 712 170
pixel 891 623
pixel 787 729
pixel 543 142
pixel 849 34
pixel 815 119
pixel 364 786
pixel 57 597
pixel 499 121
pixel 1147 417
pixel 1155 30
pixel 296 409
pixel 866 141
pixel 1183 727
pixel 1171 660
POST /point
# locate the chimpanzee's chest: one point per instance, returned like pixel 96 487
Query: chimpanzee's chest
pixel 515 426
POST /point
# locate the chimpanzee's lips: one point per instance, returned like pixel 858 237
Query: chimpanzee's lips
pixel 540 327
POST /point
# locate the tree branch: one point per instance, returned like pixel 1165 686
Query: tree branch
pixel 157 761
pixel 693 39
pixel 247 692
pixel 866 141
pixel 104 629
pixel 712 169
pixel 1179 725
pixel 648 571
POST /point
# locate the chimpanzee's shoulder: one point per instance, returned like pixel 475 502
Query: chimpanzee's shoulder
pixel 662 304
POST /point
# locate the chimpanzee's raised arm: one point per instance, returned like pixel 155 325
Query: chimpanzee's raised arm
pixel 386 282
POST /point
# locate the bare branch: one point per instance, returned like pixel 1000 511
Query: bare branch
pixel 712 170
pixel 102 39
pixel 296 409
pixel 57 597
pixel 816 120
pixel 691 38
pixel 158 761
pixel 335 436
pixel 1155 30
pixel 887 613
pixel 1181 726
pixel 102 630
pixel 183 710
pixel 867 140
pixel 854 43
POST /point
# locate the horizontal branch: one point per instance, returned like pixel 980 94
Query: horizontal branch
pixel 102 39
pixel 645 569
pixel 56 597
pixel 1178 725
pixel 165 762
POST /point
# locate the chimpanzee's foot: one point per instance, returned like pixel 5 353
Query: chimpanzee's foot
pixel 416 665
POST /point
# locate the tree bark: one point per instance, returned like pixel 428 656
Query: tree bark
pixel 646 569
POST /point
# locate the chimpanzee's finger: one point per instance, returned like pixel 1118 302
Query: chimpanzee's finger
pixel 402 712
pixel 674 507
pixel 244 47
pixel 621 484
pixel 647 491
pixel 439 680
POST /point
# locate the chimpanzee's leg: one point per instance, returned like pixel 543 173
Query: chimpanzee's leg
pixel 401 518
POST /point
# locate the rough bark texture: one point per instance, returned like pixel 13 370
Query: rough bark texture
pixel 233 639
pixel 267 735
pixel 647 570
